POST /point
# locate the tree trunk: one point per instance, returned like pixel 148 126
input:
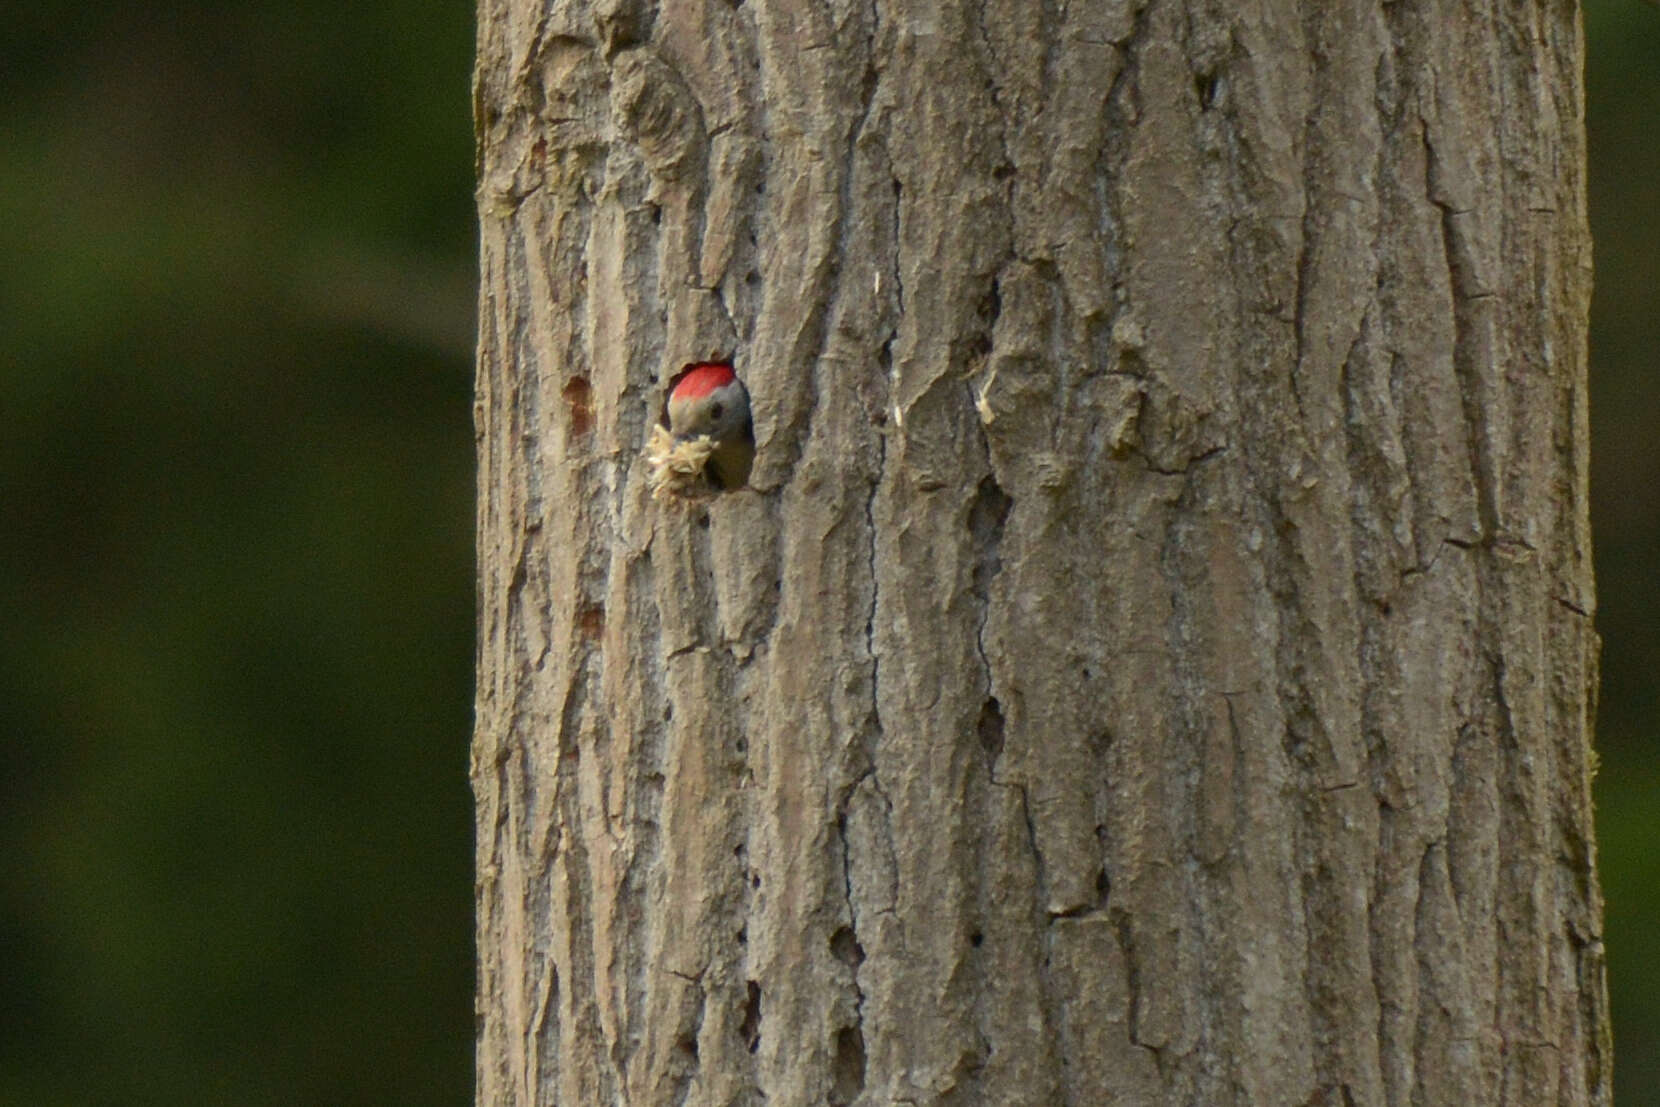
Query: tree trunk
pixel 1154 664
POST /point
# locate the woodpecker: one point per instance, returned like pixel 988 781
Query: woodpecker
pixel 706 399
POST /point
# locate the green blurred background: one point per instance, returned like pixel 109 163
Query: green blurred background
pixel 236 476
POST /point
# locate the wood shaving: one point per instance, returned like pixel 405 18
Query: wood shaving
pixel 677 467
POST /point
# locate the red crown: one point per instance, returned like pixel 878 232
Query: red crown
pixel 701 378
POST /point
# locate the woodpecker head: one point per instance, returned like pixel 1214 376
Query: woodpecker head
pixel 706 398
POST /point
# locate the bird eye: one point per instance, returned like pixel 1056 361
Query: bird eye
pixel 715 411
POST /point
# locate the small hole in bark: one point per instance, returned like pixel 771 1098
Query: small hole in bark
pixel 750 1029
pixel 986 518
pixel 703 521
pixel 687 1044
pixel 755 880
pixel 848 1073
pixel 991 304
pixel 991 728
pixel 743 937
pixel 656 215
pixel 976 939
pixel 1102 885
pixel 1209 87
pixel 846 947
pixel 578 394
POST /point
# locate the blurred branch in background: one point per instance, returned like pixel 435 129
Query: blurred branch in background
pixel 416 302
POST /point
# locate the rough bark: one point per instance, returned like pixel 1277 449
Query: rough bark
pixel 1154 664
